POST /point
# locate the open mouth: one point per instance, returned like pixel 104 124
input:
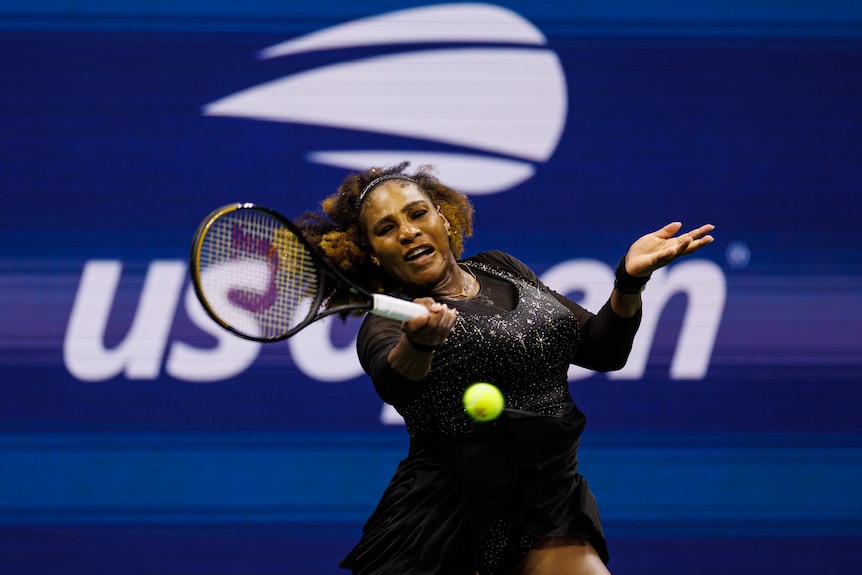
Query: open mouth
pixel 417 253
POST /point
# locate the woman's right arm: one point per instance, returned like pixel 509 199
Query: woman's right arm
pixel 398 356
pixel 411 356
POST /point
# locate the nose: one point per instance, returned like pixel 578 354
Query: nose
pixel 408 232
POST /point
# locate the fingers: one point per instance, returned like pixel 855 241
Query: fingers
pixel 697 234
pixel 669 230
pixel 663 246
pixel 701 232
pixel 673 228
pixel 427 302
pixel 442 318
pixel 431 329
pixel 699 238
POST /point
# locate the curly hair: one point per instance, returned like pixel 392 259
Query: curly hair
pixel 339 233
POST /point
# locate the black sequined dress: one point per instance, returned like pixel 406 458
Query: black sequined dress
pixel 475 497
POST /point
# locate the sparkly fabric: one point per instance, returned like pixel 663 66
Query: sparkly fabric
pixel 525 352
pixel 475 497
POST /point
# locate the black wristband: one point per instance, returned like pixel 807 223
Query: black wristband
pixel 628 284
pixel 422 347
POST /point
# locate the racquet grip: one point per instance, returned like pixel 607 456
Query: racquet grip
pixel 394 308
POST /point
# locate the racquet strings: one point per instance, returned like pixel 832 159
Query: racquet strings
pixel 257 276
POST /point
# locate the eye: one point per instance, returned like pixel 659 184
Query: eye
pixel 385 229
pixel 419 213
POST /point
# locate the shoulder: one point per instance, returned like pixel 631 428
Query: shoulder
pixel 505 261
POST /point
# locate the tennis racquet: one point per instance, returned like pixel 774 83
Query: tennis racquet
pixel 258 277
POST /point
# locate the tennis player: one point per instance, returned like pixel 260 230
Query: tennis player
pixel 491 498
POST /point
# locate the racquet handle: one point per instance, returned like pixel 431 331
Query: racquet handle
pixel 395 308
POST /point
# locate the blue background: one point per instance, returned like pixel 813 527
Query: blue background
pixel 745 116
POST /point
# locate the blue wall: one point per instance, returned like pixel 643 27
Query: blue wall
pixel 114 459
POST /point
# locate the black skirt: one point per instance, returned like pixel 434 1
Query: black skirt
pixel 478 502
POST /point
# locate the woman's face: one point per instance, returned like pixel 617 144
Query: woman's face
pixel 409 235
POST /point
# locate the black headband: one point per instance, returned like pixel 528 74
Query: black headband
pixel 380 180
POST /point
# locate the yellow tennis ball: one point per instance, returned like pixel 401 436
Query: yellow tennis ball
pixel 483 401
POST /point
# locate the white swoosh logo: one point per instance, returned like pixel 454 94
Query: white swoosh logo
pixel 443 23
pixel 506 101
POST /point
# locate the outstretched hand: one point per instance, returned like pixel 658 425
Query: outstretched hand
pixel 661 247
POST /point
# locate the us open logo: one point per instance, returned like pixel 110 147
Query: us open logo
pixel 497 107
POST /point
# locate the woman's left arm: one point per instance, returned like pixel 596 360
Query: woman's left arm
pixel 649 253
